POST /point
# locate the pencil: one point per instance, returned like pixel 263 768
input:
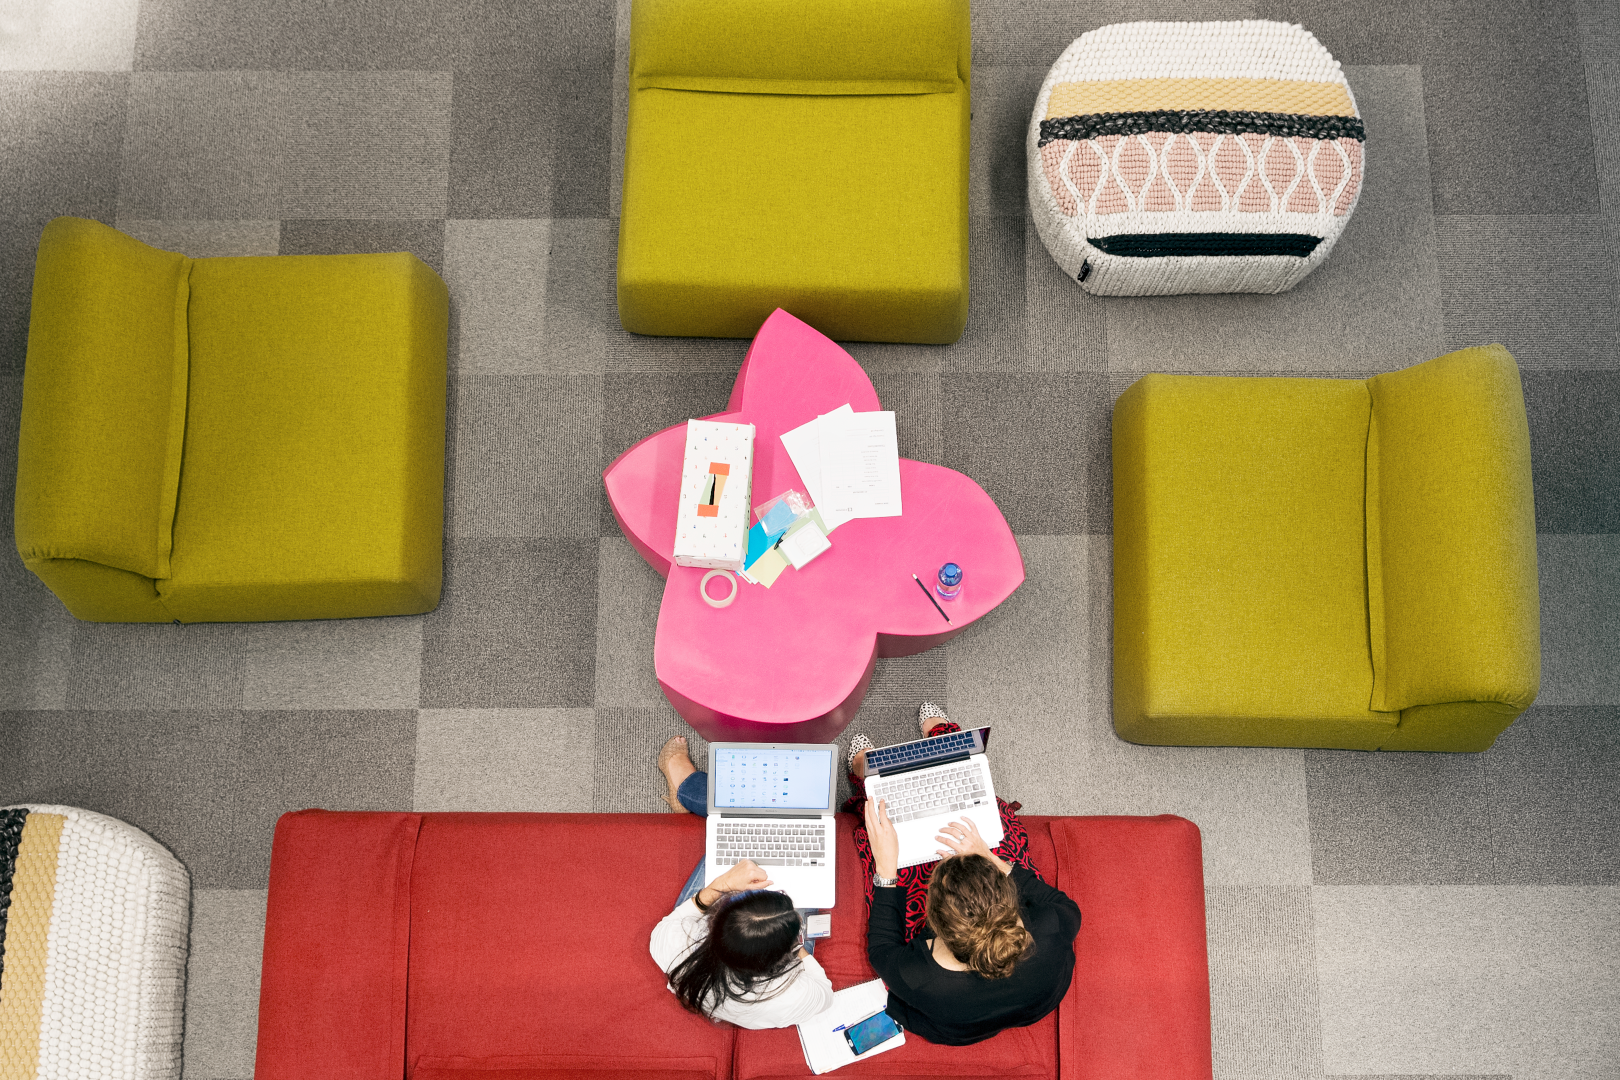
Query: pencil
pixel 930 596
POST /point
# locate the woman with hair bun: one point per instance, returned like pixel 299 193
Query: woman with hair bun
pixel 993 947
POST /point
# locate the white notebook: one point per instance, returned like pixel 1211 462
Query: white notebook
pixel 823 1038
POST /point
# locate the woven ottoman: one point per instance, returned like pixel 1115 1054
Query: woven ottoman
pixel 94 917
pixel 1210 157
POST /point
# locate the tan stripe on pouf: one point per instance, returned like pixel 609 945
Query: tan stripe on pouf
pixel 28 930
pixel 1236 95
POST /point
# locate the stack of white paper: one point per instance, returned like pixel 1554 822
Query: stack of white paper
pixel 825 1048
pixel 803 445
pixel 850 464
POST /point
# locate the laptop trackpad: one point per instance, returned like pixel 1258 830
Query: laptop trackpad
pixel 919 841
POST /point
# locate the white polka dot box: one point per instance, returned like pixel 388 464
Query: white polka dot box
pixel 1169 157
pixel 94 917
pixel 711 524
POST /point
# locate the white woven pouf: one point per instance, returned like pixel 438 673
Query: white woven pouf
pixel 94 924
pixel 1193 157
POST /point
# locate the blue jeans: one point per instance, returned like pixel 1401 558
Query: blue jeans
pixel 694 795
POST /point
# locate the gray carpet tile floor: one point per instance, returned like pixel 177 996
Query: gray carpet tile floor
pixel 1370 915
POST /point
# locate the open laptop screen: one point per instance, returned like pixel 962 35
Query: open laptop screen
pixel 772 778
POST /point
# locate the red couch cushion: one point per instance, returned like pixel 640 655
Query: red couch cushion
pixel 487 1071
pixel 522 1072
pixel 333 983
pixel 1139 1005
pixel 1031 1051
pixel 529 946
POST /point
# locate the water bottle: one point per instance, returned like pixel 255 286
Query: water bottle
pixel 949 585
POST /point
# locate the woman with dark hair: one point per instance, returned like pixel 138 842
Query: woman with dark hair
pixel 970 945
pixel 740 960
pixel 732 947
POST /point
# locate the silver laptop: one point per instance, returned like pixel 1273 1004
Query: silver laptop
pixel 930 783
pixel 773 803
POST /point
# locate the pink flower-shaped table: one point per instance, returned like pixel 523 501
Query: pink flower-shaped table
pixel 792 662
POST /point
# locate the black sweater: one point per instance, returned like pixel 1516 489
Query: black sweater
pixel 961 1007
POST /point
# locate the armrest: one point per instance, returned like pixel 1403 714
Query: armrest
pixel 103 419
pixel 789 47
pixel 1139 1005
pixel 1451 540
pixel 336 947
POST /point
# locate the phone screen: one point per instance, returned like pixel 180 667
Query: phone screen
pixel 876 1029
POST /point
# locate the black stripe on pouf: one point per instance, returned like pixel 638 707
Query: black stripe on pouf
pixel 1158 245
pixel 1212 121
pixel 11 829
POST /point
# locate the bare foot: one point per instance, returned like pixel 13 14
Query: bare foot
pixel 676 764
pixel 858 766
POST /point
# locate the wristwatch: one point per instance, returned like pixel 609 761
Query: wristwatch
pixel 881 882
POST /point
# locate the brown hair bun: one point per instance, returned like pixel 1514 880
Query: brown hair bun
pixel 973 909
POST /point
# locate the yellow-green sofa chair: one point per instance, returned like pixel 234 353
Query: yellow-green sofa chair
pixel 1326 562
pixel 808 156
pixel 233 439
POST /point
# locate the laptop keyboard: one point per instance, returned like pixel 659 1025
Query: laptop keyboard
pixel 941 746
pixel 936 791
pixel 772 843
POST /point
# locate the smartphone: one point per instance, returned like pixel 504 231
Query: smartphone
pixel 875 1029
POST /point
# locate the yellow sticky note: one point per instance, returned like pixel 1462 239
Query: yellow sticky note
pixel 768 566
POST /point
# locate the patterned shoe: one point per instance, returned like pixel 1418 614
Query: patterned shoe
pixel 856 745
pixel 930 716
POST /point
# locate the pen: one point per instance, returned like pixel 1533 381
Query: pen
pixel 930 596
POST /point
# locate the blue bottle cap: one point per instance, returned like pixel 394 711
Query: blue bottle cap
pixel 950 575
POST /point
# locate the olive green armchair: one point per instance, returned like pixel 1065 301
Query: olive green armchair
pixel 807 156
pixel 231 439
pixel 1326 562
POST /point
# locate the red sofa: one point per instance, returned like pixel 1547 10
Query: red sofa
pixel 514 947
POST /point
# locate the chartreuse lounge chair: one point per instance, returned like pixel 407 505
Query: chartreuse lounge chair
pixel 243 439
pixel 1326 562
pixel 810 155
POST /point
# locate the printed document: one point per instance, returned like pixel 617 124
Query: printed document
pixel 860 465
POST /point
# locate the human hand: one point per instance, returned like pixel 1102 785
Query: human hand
pixel 745 875
pixel 963 838
pixel 884 840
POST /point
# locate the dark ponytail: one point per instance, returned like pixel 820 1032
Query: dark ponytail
pixel 750 942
